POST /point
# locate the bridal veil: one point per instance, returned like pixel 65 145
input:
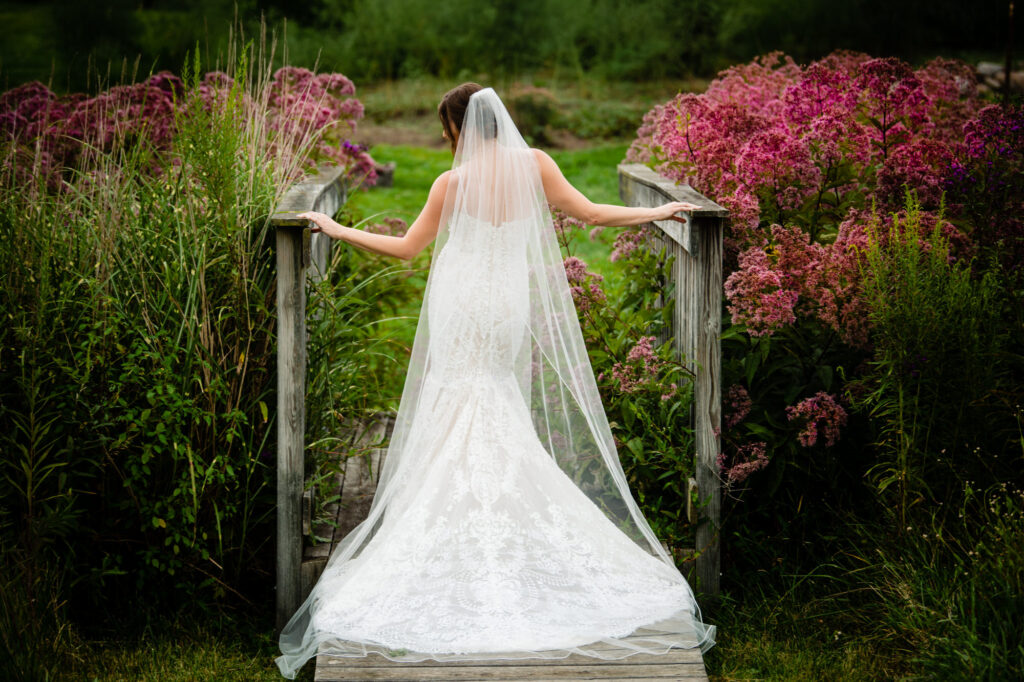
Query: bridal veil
pixel 498 369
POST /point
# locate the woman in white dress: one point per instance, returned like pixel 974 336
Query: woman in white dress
pixel 502 526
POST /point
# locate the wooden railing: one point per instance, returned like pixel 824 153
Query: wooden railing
pixel 696 329
pixel 301 255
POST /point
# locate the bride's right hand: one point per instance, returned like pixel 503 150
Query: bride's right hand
pixel 668 211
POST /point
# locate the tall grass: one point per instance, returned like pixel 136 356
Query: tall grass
pixel 940 333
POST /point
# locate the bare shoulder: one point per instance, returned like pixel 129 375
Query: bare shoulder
pixel 549 170
pixel 542 157
pixel 440 186
pixel 442 180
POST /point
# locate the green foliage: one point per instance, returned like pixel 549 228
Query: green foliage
pixel 951 592
pixel 937 376
pixel 386 39
pixel 603 120
pixel 534 111
pixel 227 647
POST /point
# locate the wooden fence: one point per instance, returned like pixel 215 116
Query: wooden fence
pixel 696 328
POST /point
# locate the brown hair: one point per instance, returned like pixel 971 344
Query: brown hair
pixel 452 109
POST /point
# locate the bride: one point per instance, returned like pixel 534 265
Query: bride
pixel 502 526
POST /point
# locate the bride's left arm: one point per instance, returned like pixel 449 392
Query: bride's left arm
pixel 563 196
pixel 416 238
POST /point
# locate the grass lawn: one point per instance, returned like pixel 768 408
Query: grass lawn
pixel 591 170
pixel 184 649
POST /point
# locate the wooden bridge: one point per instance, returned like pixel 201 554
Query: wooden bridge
pixel 697 273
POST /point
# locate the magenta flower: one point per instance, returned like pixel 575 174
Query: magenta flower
pixel 585 286
pixel 751 458
pixel 628 241
pixel 737 405
pixel 641 368
pixel 822 416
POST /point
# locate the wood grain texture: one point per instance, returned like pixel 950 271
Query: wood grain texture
pixel 291 419
pixel 673 656
pixel 296 248
pixel 696 328
pixel 622 671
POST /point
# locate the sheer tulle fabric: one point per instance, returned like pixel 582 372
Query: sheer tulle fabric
pixel 502 526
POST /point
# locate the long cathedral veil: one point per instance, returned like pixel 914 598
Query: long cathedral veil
pixel 497 301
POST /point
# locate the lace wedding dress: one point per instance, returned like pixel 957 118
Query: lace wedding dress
pixel 502 526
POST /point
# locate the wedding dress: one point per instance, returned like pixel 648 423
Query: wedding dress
pixel 502 526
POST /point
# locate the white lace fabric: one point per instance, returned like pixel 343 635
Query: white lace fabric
pixel 502 525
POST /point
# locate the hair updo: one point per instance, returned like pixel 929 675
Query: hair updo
pixel 452 111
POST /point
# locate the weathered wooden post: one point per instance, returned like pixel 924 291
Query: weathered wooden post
pixel 297 249
pixel 696 327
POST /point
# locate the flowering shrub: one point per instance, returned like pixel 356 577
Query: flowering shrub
pixel 585 286
pixel 808 159
pixel 985 184
pixel 43 135
pixel 873 349
pixel 777 143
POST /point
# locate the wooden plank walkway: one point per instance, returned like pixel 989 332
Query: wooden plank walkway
pixel 678 664
pixel 356 484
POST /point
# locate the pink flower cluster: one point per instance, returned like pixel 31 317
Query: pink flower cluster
pixel 642 365
pixel 751 457
pixel 791 274
pixel 627 241
pixel 303 103
pixel 565 225
pixel 823 417
pixel 585 286
pixel 43 134
pixel 737 405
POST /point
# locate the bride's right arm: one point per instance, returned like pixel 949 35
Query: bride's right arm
pixel 567 198
pixel 416 238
